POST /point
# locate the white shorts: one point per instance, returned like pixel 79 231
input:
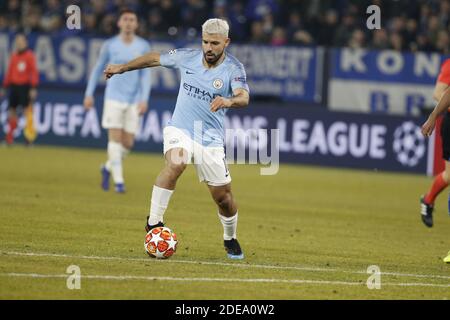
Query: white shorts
pixel 210 162
pixel 120 115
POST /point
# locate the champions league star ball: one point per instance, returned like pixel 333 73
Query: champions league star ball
pixel 409 144
pixel 160 242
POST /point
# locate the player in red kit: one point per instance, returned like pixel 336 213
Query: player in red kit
pixel 21 79
pixel 441 180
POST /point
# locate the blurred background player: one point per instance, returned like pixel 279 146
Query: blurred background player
pixel 221 79
pixel 441 180
pixel 126 96
pixel 21 78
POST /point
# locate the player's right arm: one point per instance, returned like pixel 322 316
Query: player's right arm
pixel 95 75
pixel 441 95
pixel 149 60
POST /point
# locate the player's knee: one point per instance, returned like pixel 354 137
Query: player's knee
pixel 128 144
pixel 224 200
pixel 176 168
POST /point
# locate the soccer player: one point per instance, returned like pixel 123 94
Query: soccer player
pixel 21 79
pixel 212 81
pixel 441 181
pixel 125 96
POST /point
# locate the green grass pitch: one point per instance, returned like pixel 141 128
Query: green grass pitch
pixel 307 233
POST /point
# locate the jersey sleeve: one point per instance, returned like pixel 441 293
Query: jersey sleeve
pixel 239 78
pixel 444 75
pixel 145 83
pixel 174 58
pixel 98 70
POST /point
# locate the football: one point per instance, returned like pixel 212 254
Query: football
pixel 160 243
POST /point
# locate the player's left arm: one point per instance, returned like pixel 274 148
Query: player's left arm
pixel 240 99
pixel 439 90
pixel 443 105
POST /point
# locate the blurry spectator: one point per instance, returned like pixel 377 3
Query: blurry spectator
pixel 155 26
pixel 33 21
pixel 3 23
pixel 195 13
pixel 327 28
pixel 357 40
pixel 397 25
pixel 396 42
pixel 344 30
pixel 294 24
pixel 380 39
pixel 278 37
pixel 258 36
pixel 410 32
pixel 108 25
pixel 14 10
pixel 170 14
pixel 433 28
pixel 444 13
pixel 423 43
pixel 51 19
pixel 303 38
pixel 443 42
pixel 257 9
pixel 89 24
pixel 268 23
pixel 220 10
pixel 238 21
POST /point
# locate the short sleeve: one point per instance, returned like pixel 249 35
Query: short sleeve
pixel 172 58
pixel 444 75
pixel 239 78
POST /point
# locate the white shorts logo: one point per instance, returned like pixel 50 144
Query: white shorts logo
pixel 218 84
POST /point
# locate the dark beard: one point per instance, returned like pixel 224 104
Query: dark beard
pixel 212 63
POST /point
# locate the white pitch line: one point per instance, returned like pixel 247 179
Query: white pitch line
pixel 239 265
pixel 234 280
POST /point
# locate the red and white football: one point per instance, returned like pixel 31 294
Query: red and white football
pixel 160 242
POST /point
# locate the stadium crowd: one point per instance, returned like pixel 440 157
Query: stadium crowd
pixel 414 25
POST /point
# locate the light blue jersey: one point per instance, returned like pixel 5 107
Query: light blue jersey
pixel 198 88
pixel 129 87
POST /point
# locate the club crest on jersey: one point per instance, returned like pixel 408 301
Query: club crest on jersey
pixel 173 51
pixel 218 84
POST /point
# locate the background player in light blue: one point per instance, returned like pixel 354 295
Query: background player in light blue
pixel 211 81
pixel 126 96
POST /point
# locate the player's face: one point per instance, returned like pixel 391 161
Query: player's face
pixel 128 23
pixel 213 46
pixel 21 43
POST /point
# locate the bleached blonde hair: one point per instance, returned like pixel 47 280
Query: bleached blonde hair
pixel 216 26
